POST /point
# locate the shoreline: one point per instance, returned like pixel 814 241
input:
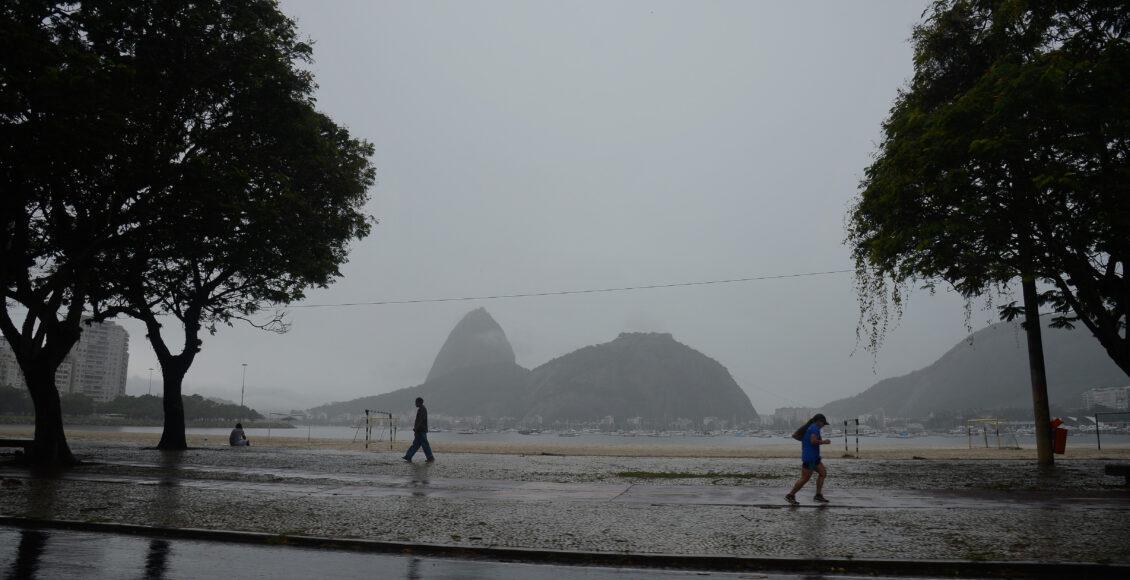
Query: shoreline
pixel 80 436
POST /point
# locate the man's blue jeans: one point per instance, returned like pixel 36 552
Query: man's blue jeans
pixel 420 440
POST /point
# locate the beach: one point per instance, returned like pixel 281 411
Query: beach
pixel 956 448
pixel 907 504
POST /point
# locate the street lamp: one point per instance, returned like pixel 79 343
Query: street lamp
pixel 242 388
pixel 150 381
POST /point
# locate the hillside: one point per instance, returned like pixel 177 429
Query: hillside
pixel 648 375
pixel 989 370
pixel 476 340
pixel 651 376
pixel 493 390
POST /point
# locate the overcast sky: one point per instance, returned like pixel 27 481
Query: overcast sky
pixel 535 146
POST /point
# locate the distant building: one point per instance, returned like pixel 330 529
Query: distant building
pixel 11 375
pixel 1112 398
pixel 96 365
pixel 794 415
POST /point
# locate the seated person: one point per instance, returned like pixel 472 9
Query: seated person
pixel 237 438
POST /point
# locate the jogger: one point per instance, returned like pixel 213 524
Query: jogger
pixel 810 441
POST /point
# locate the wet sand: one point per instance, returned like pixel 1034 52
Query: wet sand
pixel 963 505
pixel 572 449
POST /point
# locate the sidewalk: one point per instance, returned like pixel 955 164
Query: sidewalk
pixel 540 506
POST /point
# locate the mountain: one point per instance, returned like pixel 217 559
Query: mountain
pixel 476 340
pixel 648 375
pixel 490 390
pixel 989 370
pixel 651 376
pixel 474 373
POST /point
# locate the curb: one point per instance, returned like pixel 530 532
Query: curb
pixel 878 567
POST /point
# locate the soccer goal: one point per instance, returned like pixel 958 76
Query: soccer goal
pixel 377 425
pixel 990 428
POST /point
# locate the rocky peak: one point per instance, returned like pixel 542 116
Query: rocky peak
pixel 476 340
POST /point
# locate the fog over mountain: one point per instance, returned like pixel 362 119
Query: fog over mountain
pixel 989 370
pixel 649 376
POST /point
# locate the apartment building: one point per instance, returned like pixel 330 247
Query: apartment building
pixel 1117 398
pixel 96 366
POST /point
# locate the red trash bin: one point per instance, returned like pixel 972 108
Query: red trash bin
pixel 1059 440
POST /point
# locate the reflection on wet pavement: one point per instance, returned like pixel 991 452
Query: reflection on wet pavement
pixel 80 555
pixel 30 548
pixel 164 511
pixel 157 559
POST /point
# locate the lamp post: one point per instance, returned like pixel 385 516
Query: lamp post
pixel 242 388
pixel 150 380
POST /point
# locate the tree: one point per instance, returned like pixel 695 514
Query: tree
pixel 61 132
pixel 1006 159
pixel 123 126
pixel 259 193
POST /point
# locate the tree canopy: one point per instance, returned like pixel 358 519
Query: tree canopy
pixel 1005 158
pixel 161 158
pixel 260 193
pixel 62 208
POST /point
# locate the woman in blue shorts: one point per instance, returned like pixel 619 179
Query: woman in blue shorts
pixel 810 442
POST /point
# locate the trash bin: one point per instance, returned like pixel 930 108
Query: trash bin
pixel 1059 436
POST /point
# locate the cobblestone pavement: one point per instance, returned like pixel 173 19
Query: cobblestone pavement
pixel 965 510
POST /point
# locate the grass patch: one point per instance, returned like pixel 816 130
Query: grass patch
pixel 691 475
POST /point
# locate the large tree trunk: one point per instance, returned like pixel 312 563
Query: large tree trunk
pixel 172 375
pixel 173 369
pixel 1033 328
pixel 50 450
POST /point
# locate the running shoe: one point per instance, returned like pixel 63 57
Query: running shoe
pixel 820 498
pixel 791 499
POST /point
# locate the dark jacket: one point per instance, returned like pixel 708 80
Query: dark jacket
pixel 421 425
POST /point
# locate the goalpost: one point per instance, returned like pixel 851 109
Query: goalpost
pixel 984 426
pixel 376 424
pixel 1113 421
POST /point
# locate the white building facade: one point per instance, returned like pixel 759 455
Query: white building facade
pixel 95 367
pixel 1117 398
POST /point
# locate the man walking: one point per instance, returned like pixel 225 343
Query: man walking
pixel 420 429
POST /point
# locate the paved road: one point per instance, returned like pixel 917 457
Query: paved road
pixel 59 554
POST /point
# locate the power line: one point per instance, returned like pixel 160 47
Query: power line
pixel 568 292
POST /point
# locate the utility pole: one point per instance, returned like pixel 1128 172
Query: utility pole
pixel 150 380
pixel 242 388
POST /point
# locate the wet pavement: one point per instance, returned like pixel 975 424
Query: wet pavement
pixel 26 553
pixel 882 509
pixel 419 483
